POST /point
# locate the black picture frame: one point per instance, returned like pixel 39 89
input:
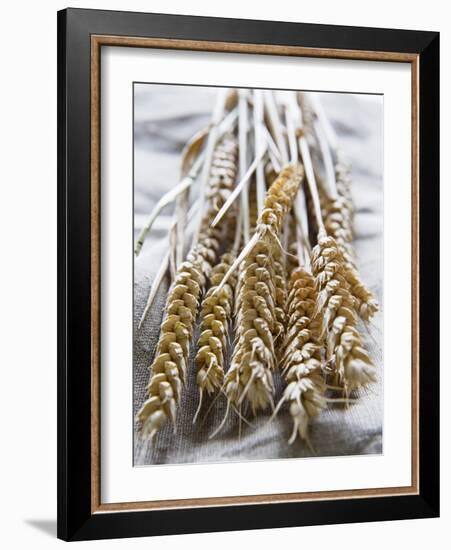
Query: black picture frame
pixel 76 518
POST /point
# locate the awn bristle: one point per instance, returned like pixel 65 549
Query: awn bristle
pixel 301 359
pixel 168 370
pixel 259 296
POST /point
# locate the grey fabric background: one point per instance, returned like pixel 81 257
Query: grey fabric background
pixel 165 118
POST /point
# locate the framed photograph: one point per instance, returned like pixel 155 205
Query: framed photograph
pixel 248 274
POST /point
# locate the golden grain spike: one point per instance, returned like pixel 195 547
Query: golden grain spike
pixel 335 306
pixel 216 313
pixel 168 370
pixel 352 364
pixel 280 197
pixel 222 174
pixel 301 359
pixel 259 295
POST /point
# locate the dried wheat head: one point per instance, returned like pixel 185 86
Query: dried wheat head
pixel 301 360
pixel 216 314
pixel 336 307
pixel 260 299
pixel 168 370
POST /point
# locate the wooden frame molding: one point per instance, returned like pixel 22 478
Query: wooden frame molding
pixel 97 41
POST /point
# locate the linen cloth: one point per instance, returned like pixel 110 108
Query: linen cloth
pixel 165 117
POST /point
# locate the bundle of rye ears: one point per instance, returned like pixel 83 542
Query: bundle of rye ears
pixel 270 273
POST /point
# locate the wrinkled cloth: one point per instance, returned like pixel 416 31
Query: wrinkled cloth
pixel 165 118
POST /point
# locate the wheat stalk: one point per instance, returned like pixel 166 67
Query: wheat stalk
pixel 301 359
pixel 168 370
pixel 259 140
pixel 243 126
pixel 258 297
